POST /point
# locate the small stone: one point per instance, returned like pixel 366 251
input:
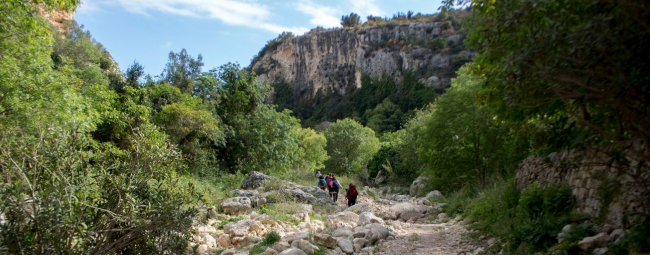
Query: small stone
pixel 281 246
pixel 304 245
pixel 598 240
pixel 293 251
pixel 229 252
pixel 345 245
pixel 325 240
pixel 600 251
pixel 442 216
pixel 224 240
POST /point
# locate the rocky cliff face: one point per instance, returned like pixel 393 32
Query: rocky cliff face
pixel 333 60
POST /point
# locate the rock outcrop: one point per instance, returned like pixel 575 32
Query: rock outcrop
pixel 336 59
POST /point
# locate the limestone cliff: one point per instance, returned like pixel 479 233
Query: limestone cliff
pixel 333 60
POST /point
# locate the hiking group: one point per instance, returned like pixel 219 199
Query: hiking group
pixel 332 185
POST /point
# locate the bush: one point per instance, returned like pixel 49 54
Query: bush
pixel 269 240
pixel 438 43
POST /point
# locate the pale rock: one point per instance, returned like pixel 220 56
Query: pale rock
pixel 224 240
pixel 409 215
pixel 295 236
pixel 418 185
pixel 206 229
pixel 423 201
pixel 246 240
pixel 345 216
pixel 345 245
pixel 325 240
pixel 281 246
pixel 202 249
pixel 358 243
pixel 293 251
pixel 367 218
pixel 342 232
pixel 600 251
pixel 209 240
pixel 254 180
pixel 434 194
pixel 270 251
pixel 304 245
pixel 236 205
pixel 564 233
pixel 616 234
pixel 442 216
pixel 242 227
pixel 229 252
pixel 404 206
pixel 598 240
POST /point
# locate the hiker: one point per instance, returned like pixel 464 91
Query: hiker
pixel 334 189
pixel 319 175
pixel 351 195
pixel 328 178
pixel 321 183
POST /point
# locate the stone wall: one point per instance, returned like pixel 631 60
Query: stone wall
pixel 608 184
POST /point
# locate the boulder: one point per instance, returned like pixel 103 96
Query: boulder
pixel 304 245
pixel 322 197
pixel 342 232
pixel 345 245
pixel 209 240
pixel 302 196
pixel 442 216
pixel 241 228
pixel 359 208
pixel 358 243
pixel 325 240
pixel 434 194
pixel 423 201
pixel 402 207
pixel 367 218
pixel 281 246
pixel 206 229
pixel 418 185
pixel 295 236
pixel 254 180
pixel 616 234
pixel 224 240
pixel 596 241
pixel 409 215
pixel 246 240
pixel 377 232
pixel 236 205
pixel 564 233
pixel 270 251
pixel 293 251
pixel 345 216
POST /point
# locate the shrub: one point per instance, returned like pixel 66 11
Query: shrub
pixel 438 43
pixel 269 240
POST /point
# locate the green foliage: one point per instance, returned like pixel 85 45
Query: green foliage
pixel 460 142
pixel 539 60
pixel 385 117
pixel 637 240
pixel 350 146
pixel 438 43
pixel 181 70
pixel 351 20
pixel 269 240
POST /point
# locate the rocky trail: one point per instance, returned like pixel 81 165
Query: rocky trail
pixel 380 223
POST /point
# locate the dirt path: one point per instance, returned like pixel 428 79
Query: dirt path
pixel 426 237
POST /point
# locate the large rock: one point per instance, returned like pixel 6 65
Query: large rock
pixel 295 236
pixel 281 246
pixel 342 232
pixel 270 251
pixel 345 216
pixel 409 215
pixel 321 196
pixel 293 251
pixel 224 240
pixel 241 228
pixel 418 185
pixel 325 240
pixel 434 194
pixel 358 243
pixel 596 241
pixel 377 232
pixel 302 196
pixel 367 218
pixel 229 252
pixel 304 245
pixel 404 206
pixel 236 205
pixel 254 180
pixel 345 245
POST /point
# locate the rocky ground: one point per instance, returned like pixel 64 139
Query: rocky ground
pixel 380 223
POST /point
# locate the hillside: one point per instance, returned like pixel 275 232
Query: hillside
pixel 310 71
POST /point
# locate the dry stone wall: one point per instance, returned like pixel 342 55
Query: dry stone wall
pixel 608 184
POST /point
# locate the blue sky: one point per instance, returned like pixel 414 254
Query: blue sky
pixel 221 30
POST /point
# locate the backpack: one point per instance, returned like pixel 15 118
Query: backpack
pixel 321 183
pixel 335 184
pixel 353 191
pixel 329 183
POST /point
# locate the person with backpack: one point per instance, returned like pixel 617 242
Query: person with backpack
pixel 351 195
pixel 321 183
pixel 334 189
pixel 319 175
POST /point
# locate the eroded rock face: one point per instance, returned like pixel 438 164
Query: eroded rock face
pixel 335 60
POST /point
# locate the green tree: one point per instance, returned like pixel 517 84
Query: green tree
pixel 351 20
pixel 313 154
pixel 350 146
pixel 181 70
pixel 461 142
pixel 582 59
pixel 386 117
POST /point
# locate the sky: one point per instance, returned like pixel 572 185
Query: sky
pixel 221 31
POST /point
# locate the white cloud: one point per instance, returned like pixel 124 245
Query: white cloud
pixel 248 13
pixel 87 6
pixel 365 8
pixel 325 16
